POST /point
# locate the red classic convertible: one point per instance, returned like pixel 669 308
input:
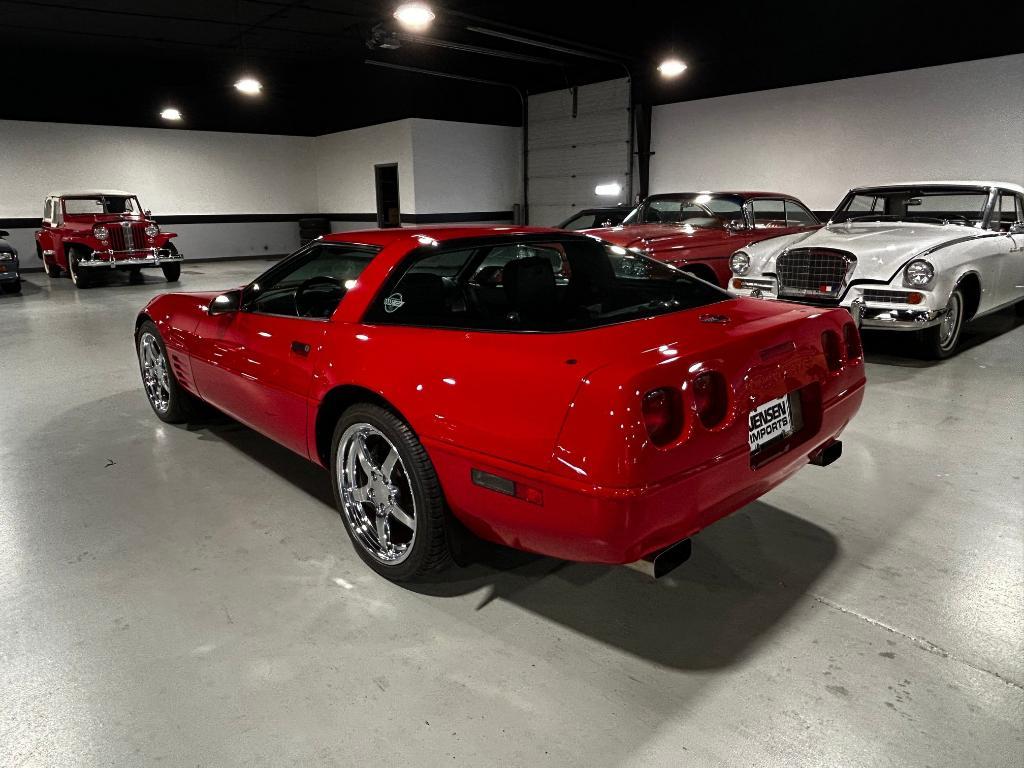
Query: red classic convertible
pixel 699 231
pixel 550 391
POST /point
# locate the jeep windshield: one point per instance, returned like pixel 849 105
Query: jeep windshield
pixel 696 209
pixel 91 205
pixel 924 205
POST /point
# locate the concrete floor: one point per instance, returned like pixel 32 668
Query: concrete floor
pixel 189 597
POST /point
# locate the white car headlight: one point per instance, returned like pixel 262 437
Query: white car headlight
pixel 100 232
pixel 7 256
pixel 739 263
pixel 919 273
pixel 152 230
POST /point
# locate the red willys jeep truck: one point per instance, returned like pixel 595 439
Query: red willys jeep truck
pixel 86 232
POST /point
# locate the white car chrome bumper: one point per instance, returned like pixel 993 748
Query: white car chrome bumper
pixel 872 306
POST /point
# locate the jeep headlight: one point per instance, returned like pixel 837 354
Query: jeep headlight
pixel 100 232
pixel 739 263
pixel 918 273
pixel 152 230
pixel 8 255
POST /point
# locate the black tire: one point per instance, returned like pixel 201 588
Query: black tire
pixel 171 271
pixel 80 277
pixel 181 405
pixel 429 550
pixel 1019 308
pixel 51 268
pixel 941 341
pixel 13 286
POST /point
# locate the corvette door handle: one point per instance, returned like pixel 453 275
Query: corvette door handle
pixel 300 348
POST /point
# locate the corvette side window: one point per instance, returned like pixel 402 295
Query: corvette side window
pixel 310 284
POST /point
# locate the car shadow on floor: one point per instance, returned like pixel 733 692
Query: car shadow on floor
pixel 746 573
pixel 897 349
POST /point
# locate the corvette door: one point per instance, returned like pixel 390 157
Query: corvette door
pixel 258 364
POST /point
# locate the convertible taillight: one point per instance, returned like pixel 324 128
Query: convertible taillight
pixel 854 348
pixel 711 396
pixel 663 415
pixel 831 346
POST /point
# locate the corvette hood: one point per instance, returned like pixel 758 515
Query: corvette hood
pixel 659 237
pixel 881 248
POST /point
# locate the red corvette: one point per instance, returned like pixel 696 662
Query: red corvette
pixel 698 231
pixel 550 391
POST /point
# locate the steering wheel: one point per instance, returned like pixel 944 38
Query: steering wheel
pixel 305 305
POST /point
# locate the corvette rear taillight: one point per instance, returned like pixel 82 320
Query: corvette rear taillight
pixel 831 346
pixel 854 348
pixel 711 396
pixel 663 415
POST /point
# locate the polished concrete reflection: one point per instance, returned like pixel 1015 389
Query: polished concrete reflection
pixel 187 596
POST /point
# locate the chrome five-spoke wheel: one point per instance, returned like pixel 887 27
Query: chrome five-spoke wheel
pixel 155 373
pixel 376 493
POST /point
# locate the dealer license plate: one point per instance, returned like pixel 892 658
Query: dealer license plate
pixel 770 421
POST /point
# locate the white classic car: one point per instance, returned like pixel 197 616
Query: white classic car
pixel 921 256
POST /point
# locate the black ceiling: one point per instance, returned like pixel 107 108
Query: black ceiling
pixel 118 62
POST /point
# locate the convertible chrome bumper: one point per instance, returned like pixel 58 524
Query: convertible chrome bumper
pixel 149 257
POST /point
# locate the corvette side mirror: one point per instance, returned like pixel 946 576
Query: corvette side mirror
pixel 226 303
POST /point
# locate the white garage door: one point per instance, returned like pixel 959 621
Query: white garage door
pixel 570 156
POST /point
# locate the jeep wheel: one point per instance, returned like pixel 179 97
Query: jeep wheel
pixel 172 271
pixel 12 286
pixel 79 276
pixel 50 267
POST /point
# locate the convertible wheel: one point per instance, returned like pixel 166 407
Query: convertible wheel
pixel 172 271
pixel 169 401
pixel 388 494
pixel 940 341
pixel 80 277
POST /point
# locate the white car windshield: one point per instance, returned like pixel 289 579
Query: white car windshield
pixel 939 205
pixel 95 204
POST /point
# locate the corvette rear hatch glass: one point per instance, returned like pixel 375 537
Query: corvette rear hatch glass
pixel 535 284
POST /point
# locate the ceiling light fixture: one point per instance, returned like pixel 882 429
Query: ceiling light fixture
pixel 414 16
pixel 170 113
pixel 608 190
pixel 671 68
pixel 250 86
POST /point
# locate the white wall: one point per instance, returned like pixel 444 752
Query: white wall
pixel 460 167
pixel 345 161
pixel 959 121
pixel 172 171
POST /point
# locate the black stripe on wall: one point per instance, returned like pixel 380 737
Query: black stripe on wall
pixel 246 218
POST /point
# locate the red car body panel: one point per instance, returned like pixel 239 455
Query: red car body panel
pixel 558 412
pixel 687 246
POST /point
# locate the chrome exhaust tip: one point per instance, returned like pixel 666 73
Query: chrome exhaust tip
pixel 828 454
pixel 666 560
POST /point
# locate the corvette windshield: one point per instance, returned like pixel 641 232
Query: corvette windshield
pixel 938 205
pixel 535 285
pixel 697 209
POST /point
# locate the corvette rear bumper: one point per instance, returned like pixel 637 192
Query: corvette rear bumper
pixel 591 523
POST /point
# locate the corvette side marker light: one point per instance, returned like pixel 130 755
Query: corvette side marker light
pixel 507 487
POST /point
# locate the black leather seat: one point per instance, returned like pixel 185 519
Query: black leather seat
pixel 530 287
pixel 424 297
